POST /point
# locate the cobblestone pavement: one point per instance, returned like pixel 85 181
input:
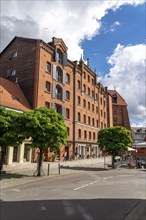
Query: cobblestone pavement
pixel 18 174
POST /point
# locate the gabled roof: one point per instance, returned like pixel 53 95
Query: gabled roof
pixel 20 38
pixel 120 100
pixel 11 96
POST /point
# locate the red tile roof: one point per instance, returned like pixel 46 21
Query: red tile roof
pixel 11 96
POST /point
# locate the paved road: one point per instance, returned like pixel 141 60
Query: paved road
pixel 87 193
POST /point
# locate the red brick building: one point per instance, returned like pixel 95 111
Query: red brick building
pixel 120 112
pixel 46 77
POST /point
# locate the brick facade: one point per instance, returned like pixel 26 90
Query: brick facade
pixel 47 78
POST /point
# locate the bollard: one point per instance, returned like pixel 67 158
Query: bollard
pixel 59 168
pixel 48 169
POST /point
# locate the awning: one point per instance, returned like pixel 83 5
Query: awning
pixel 131 149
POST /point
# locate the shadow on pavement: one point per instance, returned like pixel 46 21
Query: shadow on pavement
pixel 74 209
pixel 83 168
pixel 13 175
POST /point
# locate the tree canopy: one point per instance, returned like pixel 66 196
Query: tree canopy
pixel 46 128
pixel 9 132
pixel 114 140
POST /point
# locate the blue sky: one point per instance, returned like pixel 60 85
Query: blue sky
pixel 131 30
pixel 110 33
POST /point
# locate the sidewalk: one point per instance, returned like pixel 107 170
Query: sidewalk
pixel 19 174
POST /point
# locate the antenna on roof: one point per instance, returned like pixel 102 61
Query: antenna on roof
pixel 114 88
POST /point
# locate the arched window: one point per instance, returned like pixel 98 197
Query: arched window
pixel 84 103
pixel 59 56
pixel 79 84
pixel 58 92
pixel 79 116
pixel 79 133
pixel 84 88
pixel 85 134
pixel 59 75
pixel 84 118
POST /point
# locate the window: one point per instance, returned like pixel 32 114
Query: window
pixel 84 103
pixel 104 103
pixel 92 81
pixel 101 125
pixel 84 75
pixel 13 55
pixel 79 133
pixel 88 91
pixel 79 100
pixel 79 84
pixel 48 86
pixel 10 73
pixel 59 75
pixel 89 135
pixel 89 120
pixel 101 101
pixel 68 95
pixel 93 135
pixel 58 92
pixel 101 112
pixel 88 105
pixel 67 113
pixel 16 98
pixel 59 56
pixel 96 96
pixel 104 115
pixel 13 72
pixel 93 121
pixel 88 78
pixel 84 88
pixel 85 134
pixel 96 110
pixel 114 98
pixel 92 93
pixel 67 78
pixel 48 67
pixel 84 118
pixel 79 116
pixel 47 104
pixel 97 123
pixel 92 107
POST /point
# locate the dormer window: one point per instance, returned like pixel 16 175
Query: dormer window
pixel 114 98
pixel 59 56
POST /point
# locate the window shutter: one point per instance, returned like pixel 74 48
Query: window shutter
pixel 64 77
pixel 53 91
pixel 63 95
pixel 63 111
pixel 54 71
pixel 65 59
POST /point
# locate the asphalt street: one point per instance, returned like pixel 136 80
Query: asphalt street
pixel 83 193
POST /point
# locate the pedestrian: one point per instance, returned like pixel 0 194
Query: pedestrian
pixel 65 156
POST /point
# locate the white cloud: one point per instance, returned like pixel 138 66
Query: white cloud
pixel 127 74
pixel 114 26
pixel 73 21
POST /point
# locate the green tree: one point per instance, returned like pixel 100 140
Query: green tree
pixel 9 132
pixel 114 140
pixel 46 128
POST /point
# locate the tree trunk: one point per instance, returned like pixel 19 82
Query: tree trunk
pixel 2 159
pixel 113 161
pixel 40 161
